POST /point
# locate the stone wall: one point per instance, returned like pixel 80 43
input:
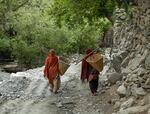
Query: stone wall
pixel 132 40
pixel 131 54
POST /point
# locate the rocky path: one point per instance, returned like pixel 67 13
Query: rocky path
pixel 28 93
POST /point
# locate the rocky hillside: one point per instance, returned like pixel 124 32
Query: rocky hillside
pixel 131 59
pixel 124 86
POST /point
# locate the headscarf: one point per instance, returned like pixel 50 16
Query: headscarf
pixel 52 52
pixel 88 51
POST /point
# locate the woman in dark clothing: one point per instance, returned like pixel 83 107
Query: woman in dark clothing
pixel 90 73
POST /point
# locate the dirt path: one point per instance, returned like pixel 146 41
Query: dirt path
pixel 29 93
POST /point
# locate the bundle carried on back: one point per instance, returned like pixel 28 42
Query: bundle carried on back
pixel 63 65
pixel 96 61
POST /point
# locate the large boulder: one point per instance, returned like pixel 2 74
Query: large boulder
pixel 135 110
pixel 125 62
pixel 114 77
pixel 147 83
pixel 138 91
pixel 12 68
pixel 127 103
pixel 147 62
pixel 122 90
pixel 149 111
pixel 118 59
pixel 145 100
pixel 135 63
pixel 116 62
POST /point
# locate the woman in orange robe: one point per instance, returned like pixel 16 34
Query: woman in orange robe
pixel 51 71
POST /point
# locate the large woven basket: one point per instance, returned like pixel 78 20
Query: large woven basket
pixel 96 61
pixel 63 65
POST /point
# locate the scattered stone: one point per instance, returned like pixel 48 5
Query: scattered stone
pixel 118 83
pixel 145 100
pixel 12 68
pixel 135 110
pixel 141 71
pixel 117 105
pixel 103 91
pixel 127 103
pixel 147 62
pixel 125 62
pixel 148 82
pixel 117 63
pixel 114 77
pixel 122 91
pixel 59 104
pixel 133 64
pixel 138 91
pixel 149 111
pixel 134 38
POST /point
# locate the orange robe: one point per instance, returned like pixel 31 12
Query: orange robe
pixel 51 68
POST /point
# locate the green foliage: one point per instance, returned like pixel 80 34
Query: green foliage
pixel 76 11
pixel 26 54
pixel 130 11
pixel 4 43
pixel 86 21
pixel 68 26
pixel 87 36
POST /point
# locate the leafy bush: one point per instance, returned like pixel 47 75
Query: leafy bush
pixel 26 54
pixel 4 43
pixel 5 50
pixel 68 26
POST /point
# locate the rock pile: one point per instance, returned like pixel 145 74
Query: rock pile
pixel 131 59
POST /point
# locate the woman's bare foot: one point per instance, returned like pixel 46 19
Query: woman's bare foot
pixel 51 90
pixel 56 92
pixel 94 94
